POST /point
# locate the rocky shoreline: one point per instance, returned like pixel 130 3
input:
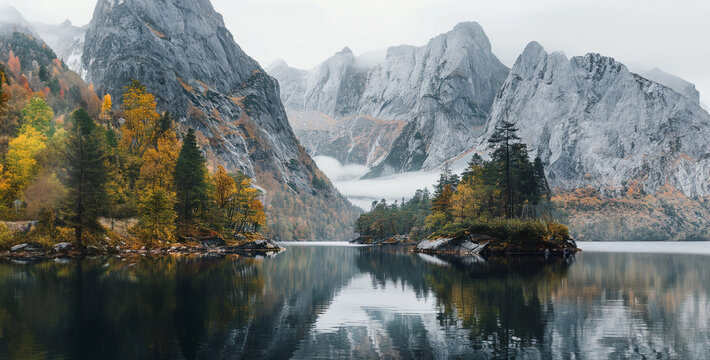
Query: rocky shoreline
pixel 36 252
pixel 484 245
pixel 397 240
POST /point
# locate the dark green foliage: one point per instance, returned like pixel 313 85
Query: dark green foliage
pixel 521 232
pixel 502 142
pixel 293 165
pixel 165 124
pixel 508 185
pixel 87 174
pixel 543 188
pixel 385 220
pixel 53 85
pixel 43 73
pixel 27 49
pixel 190 180
pixel 319 183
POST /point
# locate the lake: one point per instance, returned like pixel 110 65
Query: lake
pixel 330 301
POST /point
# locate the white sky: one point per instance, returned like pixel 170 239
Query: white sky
pixel 671 34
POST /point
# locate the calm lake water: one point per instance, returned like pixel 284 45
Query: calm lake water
pixel 355 302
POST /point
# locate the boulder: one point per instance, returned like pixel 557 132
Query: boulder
pixel 262 245
pixel 61 247
pixel 212 242
pixel 464 244
pixel 26 247
pixel 19 247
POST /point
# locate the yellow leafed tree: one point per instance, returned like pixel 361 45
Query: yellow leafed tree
pixel 139 112
pixel 106 115
pixel 4 184
pixel 21 159
pixel 156 208
pixel 225 187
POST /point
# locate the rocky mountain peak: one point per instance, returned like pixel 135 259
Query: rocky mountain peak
pixel 12 20
pixel 473 31
pixel 595 123
pixel 183 53
pixel 277 64
pixel 442 91
pixel 346 51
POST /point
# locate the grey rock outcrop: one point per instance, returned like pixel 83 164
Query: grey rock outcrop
pixel 66 40
pixel 443 91
pixel 676 83
pixel 595 123
pixel 361 140
pixel 183 53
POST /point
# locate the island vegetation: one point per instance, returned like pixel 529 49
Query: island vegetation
pixel 503 203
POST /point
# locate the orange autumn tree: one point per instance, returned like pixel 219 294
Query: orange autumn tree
pixel 13 63
pixel 238 201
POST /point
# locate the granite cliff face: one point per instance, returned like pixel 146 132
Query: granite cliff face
pixel 443 91
pixel 596 124
pixel 182 52
pixel 360 140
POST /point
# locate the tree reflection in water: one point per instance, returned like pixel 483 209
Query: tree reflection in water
pixel 311 302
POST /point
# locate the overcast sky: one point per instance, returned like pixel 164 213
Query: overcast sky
pixel 671 34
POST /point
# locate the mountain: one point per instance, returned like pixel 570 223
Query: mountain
pixel 442 91
pixel 595 123
pixel 676 83
pixel 12 20
pixel 183 53
pixel 66 40
pixel 352 140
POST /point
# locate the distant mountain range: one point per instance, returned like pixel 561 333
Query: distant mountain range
pixel 442 91
pixel 591 120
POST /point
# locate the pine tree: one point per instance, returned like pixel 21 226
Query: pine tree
pixel 543 188
pixel 87 174
pixel 502 141
pixel 190 179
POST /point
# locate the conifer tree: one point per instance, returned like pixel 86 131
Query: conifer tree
pixel 87 174
pixel 502 141
pixel 543 188
pixel 190 179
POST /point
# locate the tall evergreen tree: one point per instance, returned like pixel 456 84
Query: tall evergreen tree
pixel 502 141
pixel 87 174
pixel 190 179
pixel 543 188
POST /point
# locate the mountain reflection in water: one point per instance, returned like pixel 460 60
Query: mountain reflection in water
pixel 349 302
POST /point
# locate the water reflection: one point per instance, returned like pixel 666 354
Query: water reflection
pixel 325 302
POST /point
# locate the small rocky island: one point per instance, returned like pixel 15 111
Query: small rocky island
pixel 495 207
pixel 488 246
